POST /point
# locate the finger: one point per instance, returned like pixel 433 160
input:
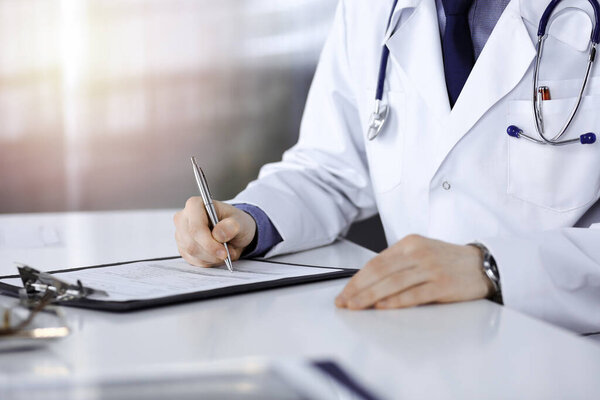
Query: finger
pixel 239 226
pixel 226 230
pixel 224 210
pixel 196 219
pixel 211 250
pixel 185 244
pixel 235 252
pixel 426 293
pixel 199 238
pixel 375 270
pixel 193 260
pixel 394 283
pixel 198 252
pixel 194 253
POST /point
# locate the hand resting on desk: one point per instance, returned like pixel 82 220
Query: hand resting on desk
pixel 199 246
pixel 416 271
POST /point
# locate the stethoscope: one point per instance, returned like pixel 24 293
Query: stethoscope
pixel 541 93
pixel 381 112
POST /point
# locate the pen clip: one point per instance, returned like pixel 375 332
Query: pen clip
pixel 205 182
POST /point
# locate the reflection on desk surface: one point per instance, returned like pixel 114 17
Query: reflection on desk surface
pixel 234 380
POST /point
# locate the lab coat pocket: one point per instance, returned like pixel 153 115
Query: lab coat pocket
pixel 385 152
pixel 560 178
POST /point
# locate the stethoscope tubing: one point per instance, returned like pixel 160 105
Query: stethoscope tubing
pixel 381 111
pixel 546 16
pixel 385 54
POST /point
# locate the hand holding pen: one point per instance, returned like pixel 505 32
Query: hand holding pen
pixel 202 243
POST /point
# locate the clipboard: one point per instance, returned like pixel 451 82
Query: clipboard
pixel 321 273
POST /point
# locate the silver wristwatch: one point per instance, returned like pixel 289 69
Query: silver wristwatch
pixel 489 267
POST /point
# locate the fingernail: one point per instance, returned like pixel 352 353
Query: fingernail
pixel 222 254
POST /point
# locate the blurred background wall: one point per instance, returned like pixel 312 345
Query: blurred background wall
pixel 103 101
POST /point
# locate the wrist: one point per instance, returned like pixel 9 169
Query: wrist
pixel 265 236
pixel 251 227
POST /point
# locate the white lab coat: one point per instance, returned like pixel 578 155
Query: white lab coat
pixel 453 175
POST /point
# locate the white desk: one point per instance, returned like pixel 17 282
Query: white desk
pixel 461 351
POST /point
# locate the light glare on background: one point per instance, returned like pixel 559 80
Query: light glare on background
pixel 102 102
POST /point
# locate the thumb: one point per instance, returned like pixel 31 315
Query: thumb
pixel 224 210
pixel 226 230
pixel 236 225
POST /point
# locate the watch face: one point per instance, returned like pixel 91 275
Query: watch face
pixel 489 264
pixel 492 273
pixel 493 267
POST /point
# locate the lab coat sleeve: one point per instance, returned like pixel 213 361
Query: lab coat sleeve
pixel 553 275
pixel 322 184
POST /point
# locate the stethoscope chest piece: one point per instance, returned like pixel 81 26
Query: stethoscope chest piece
pixel 377 120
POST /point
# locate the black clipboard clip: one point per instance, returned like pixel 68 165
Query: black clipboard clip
pixel 38 286
pixel 40 289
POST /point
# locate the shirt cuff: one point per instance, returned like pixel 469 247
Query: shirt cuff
pixel 266 236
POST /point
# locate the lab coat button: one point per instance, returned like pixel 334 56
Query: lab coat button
pixel 446 185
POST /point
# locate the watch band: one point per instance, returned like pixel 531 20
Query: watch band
pixel 490 269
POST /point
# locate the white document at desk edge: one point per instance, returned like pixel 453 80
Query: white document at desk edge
pixel 145 280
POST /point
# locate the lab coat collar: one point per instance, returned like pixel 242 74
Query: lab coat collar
pixel 532 10
pixel 574 29
pixel 399 11
pixel 415 47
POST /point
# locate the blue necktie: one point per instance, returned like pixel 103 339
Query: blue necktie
pixel 457 46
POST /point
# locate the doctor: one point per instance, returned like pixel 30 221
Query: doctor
pixel 469 212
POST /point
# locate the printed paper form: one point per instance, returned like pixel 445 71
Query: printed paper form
pixel 154 279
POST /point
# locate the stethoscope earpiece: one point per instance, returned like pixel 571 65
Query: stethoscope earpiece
pixel 516 132
pixel 587 138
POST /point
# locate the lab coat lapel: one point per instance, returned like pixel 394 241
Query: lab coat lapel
pixel 505 59
pixel 577 38
pixel 401 7
pixel 532 10
pixel 416 48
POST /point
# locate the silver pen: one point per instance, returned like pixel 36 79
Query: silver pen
pixel 208 205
